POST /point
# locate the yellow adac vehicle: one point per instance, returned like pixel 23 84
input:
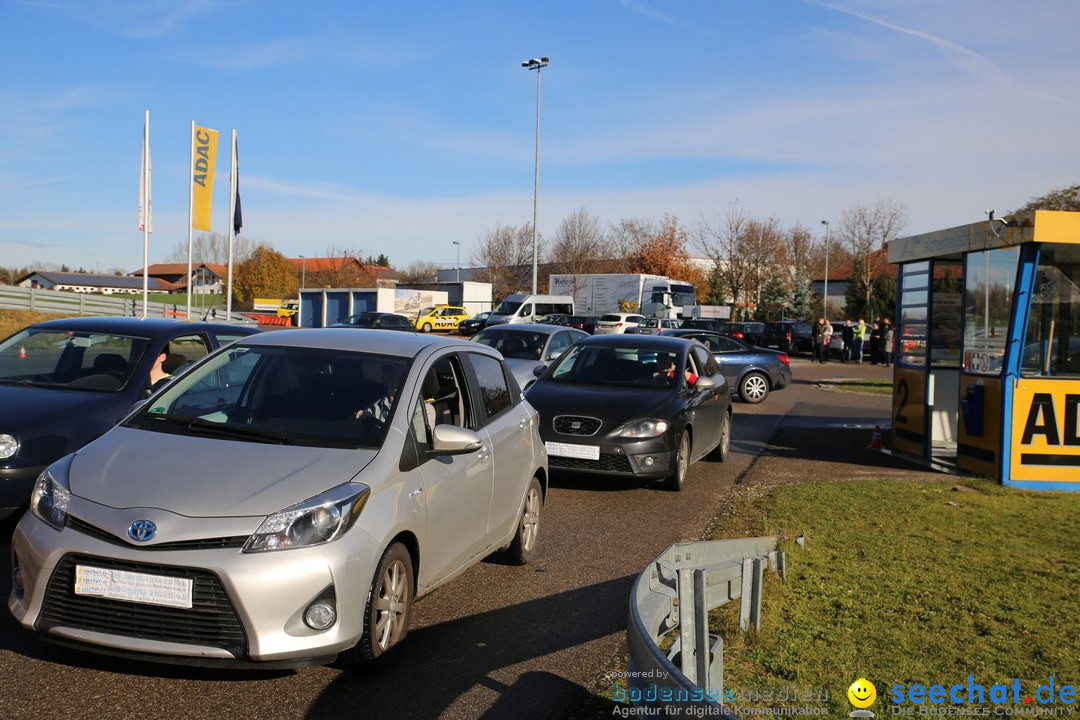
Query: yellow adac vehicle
pixel 441 317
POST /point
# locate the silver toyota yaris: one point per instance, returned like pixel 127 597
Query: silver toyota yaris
pixel 284 501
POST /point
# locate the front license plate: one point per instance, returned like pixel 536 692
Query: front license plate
pixel 133 587
pixel 583 452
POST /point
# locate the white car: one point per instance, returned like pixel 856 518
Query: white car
pixel 283 502
pixel 616 323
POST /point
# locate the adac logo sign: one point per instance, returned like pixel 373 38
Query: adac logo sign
pixel 1045 443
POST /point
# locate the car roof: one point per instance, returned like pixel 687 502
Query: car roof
pixel 360 340
pixel 140 327
pixel 529 327
pixel 649 342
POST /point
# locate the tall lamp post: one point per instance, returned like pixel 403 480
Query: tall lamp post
pixel 536 64
pixel 457 260
pixel 303 272
pixel 825 299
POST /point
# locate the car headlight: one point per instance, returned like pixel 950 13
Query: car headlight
pixel 644 428
pixel 49 500
pixel 8 446
pixel 321 519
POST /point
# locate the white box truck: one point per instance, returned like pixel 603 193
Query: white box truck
pixel 599 293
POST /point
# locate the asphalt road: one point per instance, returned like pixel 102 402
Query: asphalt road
pixel 500 641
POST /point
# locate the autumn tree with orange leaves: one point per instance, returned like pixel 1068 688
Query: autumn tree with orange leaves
pixel 664 253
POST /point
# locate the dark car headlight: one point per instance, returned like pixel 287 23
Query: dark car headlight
pixel 321 519
pixel 9 445
pixel 647 428
pixel 50 497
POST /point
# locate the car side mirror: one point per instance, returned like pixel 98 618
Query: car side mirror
pixel 704 383
pixel 454 440
pixel 539 370
pixel 555 355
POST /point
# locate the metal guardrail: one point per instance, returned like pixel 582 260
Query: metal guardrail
pixel 678 589
pixel 71 303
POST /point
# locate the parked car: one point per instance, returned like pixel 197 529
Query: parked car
pixel 749 332
pixel 65 382
pixel 586 323
pixel 624 406
pixel 289 515
pixel 616 323
pixel 377 321
pixel 654 326
pixel 836 340
pixel 445 318
pixel 703 324
pixel 473 325
pixel 528 346
pixel 789 336
pixel 752 372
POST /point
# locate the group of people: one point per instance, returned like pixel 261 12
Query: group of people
pixel 861 343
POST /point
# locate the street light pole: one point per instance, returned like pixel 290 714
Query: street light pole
pixel 303 272
pixel 536 64
pixel 457 261
pixel 825 299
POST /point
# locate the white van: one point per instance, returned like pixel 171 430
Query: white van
pixel 530 308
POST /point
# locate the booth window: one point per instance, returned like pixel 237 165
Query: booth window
pixel 990 278
pixel 946 324
pixel 911 336
pixel 1052 342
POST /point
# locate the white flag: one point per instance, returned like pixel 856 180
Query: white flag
pixel 146 215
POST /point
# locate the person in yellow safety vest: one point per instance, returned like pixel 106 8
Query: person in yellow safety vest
pixel 860 335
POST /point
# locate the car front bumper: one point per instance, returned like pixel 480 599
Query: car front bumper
pixel 247 608
pixel 647 459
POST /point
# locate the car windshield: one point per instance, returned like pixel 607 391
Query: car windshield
pixel 285 395
pixel 649 323
pixel 515 344
pixel 620 366
pixel 360 320
pixel 69 359
pixel 426 311
pixel 507 307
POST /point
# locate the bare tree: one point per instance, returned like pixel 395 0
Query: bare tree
pixel 504 256
pixel 419 271
pixel 867 231
pixel 580 247
pixel 213 249
pixel 626 238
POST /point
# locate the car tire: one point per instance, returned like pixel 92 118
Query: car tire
pixel 389 606
pixel 754 388
pixel 426 327
pixel 720 452
pixel 523 546
pixel 681 459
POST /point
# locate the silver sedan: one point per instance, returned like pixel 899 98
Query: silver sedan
pixel 283 502
pixel 529 348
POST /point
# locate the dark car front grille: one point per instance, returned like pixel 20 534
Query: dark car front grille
pixel 211 621
pixel 200 544
pixel 608 462
pixel 576 425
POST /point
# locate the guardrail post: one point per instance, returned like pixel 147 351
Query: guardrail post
pixel 716 667
pixel 744 594
pixel 755 593
pixel 701 628
pixel 82 304
pixel 686 625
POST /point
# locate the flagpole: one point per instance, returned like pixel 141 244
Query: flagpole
pixel 233 187
pixel 146 216
pixel 191 215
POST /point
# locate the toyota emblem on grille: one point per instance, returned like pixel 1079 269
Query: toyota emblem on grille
pixel 141 530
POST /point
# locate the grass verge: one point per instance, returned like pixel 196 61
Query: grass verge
pixel 872 387
pixel 905 582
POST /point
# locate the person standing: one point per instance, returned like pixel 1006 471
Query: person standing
pixel 888 354
pixel 875 343
pixel 860 336
pixel 848 336
pixel 821 332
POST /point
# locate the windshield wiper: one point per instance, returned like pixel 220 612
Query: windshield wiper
pixel 239 431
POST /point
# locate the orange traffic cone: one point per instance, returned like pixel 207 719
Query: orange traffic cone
pixel 875 439
pixel 22 352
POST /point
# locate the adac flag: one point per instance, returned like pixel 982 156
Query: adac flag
pixel 203 160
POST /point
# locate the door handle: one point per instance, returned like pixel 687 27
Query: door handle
pixel 483 452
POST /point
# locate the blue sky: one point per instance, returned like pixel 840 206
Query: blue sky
pixel 401 127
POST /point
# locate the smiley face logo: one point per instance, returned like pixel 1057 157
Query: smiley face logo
pixel 862 693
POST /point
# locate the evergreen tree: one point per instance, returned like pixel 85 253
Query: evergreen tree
pixel 804 301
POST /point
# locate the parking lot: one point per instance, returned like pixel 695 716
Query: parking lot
pixel 499 641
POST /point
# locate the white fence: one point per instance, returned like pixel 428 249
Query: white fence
pixel 69 303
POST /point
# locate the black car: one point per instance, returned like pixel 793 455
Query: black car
pixel 473 325
pixel 790 336
pixel 65 382
pixel 704 324
pixel 641 406
pixel 377 321
pixel 749 332
pixel 581 322
pixel 752 372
